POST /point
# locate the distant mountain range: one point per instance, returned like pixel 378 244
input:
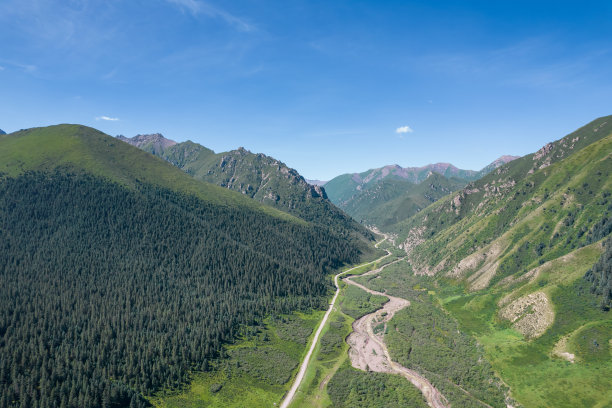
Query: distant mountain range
pixel 342 188
pixel 316 182
pixel 2 132
pixel 387 195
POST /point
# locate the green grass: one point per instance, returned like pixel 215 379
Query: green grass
pixel 535 375
pixel 396 280
pixel 591 344
pixel 329 355
pixel 256 372
pixel 354 388
pixel 356 302
pixel 80 148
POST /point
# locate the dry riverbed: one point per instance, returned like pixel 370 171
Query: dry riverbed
pixel 368 351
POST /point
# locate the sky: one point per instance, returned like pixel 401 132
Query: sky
pixel 328 87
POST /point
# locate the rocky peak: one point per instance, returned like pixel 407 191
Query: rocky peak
pixel 156 141
pixel 241 151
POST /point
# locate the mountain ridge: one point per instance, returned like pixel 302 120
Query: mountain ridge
pixel 256 175
pixel 341 188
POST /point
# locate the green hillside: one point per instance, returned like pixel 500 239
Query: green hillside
pixel 510 258
pixel 258 176
pixel 121 275
pixel 391 201
pixel 81 148
pixel 388 195
pixel 554 197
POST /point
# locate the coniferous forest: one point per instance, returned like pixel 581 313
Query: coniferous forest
pixel 600 276
pixel 108 293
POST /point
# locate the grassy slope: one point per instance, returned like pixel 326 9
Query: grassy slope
pixel 255 372
pixel 540 211
pixel 391 201
pixel 341 188
pixel 536 376
pixel 537 218
pixel 81 148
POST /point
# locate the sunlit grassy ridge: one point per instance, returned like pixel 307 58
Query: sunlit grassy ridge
pixel 514 219
pixel 76 147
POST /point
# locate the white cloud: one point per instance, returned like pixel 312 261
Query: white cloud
pixel 107 118
pixel 196 7
pixel 403 129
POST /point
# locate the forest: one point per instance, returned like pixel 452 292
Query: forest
pixel 108 294
pixel 600 276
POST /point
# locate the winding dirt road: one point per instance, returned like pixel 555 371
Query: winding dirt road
pixel 369 352
pixel 300 375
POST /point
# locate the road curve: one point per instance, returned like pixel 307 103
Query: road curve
pixel 369 351
pixel 300 375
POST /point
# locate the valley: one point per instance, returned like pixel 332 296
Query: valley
pixel 492 292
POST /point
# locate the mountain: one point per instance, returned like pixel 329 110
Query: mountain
pixel 342 188
pixel 320 183
pixel 152 143
pixel 121 275
pixel 258 176
pixel 389 201
pixel 495 164
pixel 388 195
pixel 519 258
pixel 2 132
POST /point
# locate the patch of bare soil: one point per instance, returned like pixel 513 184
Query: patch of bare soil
pixel 560 350
pixel 532 314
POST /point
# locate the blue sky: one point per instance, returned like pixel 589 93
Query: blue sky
pixel 322 85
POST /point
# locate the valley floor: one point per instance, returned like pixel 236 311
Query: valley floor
pixel 388 325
